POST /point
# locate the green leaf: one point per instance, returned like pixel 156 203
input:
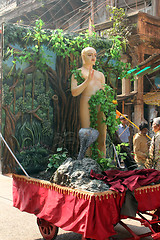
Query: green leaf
pixel 50 165
pixel 59 149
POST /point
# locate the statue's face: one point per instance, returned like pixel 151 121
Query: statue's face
pixel 90 57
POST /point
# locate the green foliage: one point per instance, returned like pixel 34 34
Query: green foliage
pixel 7 95
pixel 120 27
pixel 30 134
pixel 65 45
pixel 43 100
pixel 36 54
pixel 105 163
pixel 118 35
pixel 21 105
pixel 33 157
pixel 119 153
pixel 78 76
pixel 14 35
pixel 105 100
pixel 57 158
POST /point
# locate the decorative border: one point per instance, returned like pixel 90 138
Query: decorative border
pixel 66 190
pixel 80 193
pixel 147 189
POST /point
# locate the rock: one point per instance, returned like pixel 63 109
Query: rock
pixel 76 174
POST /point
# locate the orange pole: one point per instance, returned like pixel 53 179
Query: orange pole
pixel 120 114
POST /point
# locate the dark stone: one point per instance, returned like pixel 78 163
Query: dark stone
pixel 76 174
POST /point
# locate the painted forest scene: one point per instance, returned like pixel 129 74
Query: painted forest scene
pixel 39 115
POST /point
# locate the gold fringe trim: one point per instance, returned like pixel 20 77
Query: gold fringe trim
pixel 80 193
pixel 147 189
pixel 66 190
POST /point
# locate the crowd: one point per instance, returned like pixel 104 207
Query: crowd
pixel 146 152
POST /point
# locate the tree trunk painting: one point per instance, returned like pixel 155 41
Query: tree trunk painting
pixel 66 121
pixel 8 162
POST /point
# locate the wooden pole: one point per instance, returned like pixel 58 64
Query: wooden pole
pixel 91 19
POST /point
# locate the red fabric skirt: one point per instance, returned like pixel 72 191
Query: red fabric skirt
pixel 93 215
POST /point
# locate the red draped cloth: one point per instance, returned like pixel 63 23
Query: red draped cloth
pixel 121 180
pixel 91 214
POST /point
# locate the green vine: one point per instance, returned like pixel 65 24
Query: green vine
pixel 120 27
pixel 104 99
pixel 78 76
pixel 35 39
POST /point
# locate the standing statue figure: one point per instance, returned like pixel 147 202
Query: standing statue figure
pixel 93 81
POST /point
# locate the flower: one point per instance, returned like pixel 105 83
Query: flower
pixel 114 102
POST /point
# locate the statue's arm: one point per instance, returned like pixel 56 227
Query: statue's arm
pixel 78 89
pixel 75 88
pixel 103 81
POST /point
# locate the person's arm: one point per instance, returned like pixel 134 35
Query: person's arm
pixel 152 147
pixel 78 89
pixel 150 161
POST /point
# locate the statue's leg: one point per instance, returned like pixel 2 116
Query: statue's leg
pixel 84 113
pixel 102 134
pixel 85 117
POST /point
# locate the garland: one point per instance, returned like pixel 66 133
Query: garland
pixel 104 98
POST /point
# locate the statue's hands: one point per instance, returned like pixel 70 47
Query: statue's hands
pixel 91 73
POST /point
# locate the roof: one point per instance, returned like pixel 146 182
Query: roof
pixel 150 65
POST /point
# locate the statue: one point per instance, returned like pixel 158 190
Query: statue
pixel 93 81
pixel 87 137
